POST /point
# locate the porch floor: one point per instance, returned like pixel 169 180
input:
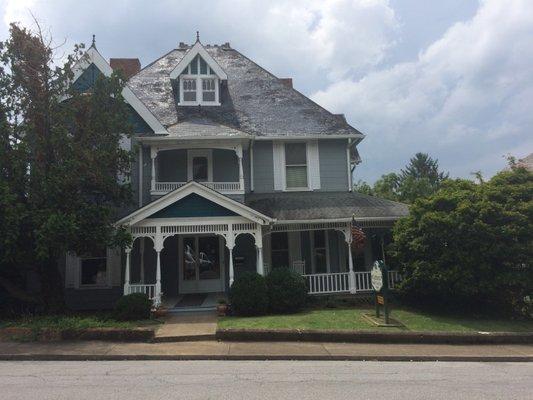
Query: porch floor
pixel 209 303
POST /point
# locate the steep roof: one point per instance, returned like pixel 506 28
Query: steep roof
pixel 324 205
pixel 253 100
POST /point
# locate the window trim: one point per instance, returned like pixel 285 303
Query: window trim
pixel 199 92
pixel 191 154
pixel 302 188
pixel 82 285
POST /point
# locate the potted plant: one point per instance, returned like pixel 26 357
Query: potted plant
pixel 222 307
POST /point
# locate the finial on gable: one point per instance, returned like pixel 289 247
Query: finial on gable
pixel 197 36
pixel 94 41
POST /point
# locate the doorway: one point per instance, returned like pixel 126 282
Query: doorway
pixel 201 266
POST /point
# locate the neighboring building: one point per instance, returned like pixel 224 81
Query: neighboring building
pixel 526 162
pixel 235 171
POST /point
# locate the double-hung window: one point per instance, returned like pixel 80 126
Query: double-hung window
pixel 199 84
pixel 296 166
pixel 93 269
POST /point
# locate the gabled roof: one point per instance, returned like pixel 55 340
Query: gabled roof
pixel 92 56
pixel 201 190
pixel 198 49
pixel 252 99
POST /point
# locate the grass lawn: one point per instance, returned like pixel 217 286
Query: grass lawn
pixel 62 322
pixel 351 319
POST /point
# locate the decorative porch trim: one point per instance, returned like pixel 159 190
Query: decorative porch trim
pixel 201 190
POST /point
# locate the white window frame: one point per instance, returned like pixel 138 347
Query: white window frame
pixel 296 189
pixel 107 272
pixel 313 261
pixel 199 98
pixel 208 153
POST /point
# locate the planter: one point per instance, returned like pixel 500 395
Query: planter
pixel 222 310
pixel 160 312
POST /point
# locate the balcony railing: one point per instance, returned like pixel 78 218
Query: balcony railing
pixel 222 187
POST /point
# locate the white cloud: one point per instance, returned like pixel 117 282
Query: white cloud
pixel 469 90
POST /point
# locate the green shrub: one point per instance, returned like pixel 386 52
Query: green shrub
pixel 287 291
pixel 248 295
pixel 132 307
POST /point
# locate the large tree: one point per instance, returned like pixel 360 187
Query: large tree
pixel 60 161
pixel 470 245
pixel 420 178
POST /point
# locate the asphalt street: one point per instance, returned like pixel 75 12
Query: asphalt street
pixel 264 380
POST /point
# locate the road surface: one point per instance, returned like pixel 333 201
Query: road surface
pixel 248 380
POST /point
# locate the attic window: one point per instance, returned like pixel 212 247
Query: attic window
pixel 198 84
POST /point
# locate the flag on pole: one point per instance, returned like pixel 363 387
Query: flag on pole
pixel 358 236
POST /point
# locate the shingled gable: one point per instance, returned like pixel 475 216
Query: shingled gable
pixel 252 99
pixel 198 189
pixel 198 49
pixel 93 57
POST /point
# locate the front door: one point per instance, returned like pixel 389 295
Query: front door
pixel 201 267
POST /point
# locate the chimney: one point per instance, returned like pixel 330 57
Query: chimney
pixel 128 66
pixel 286 81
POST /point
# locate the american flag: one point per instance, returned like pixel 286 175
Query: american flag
pixel 358 236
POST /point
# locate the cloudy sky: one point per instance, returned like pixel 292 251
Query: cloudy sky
pixel 453 78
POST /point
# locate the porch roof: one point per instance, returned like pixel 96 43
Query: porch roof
pixel 324 206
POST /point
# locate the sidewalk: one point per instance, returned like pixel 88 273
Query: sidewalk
pixel 210 350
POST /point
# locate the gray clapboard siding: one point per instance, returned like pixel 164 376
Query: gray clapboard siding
pixel 225 166
pixel 263 167
pixel 333 165
pixel 171 166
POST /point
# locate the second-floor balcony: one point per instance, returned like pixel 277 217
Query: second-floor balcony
pixel 218 169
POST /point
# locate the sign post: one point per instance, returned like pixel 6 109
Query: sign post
pixel 380 282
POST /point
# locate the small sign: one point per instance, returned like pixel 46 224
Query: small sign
pixel 376 277
pixel 381 300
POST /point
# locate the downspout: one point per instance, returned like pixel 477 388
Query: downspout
pixel 348 163
pixel 252 165
pixel 140 175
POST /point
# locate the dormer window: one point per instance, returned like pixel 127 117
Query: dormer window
pixel 198 84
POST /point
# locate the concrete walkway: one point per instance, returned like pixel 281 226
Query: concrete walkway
pixel 187 326
pixel 201 350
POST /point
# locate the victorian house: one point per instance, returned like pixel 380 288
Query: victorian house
pixel 235 171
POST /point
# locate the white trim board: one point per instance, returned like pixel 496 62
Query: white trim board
pixel 198 48
pixel 92 56
pixel 201 190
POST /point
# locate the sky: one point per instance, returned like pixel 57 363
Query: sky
pixel 452 78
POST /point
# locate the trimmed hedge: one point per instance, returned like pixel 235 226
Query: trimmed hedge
pixel 287 291
pixel 248 295
pixel 133 307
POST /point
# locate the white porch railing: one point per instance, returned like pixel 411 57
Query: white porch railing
pixel 149 290
pixel 339 282
pixel 165 187
pixel 328 283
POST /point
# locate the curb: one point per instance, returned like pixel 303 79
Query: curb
pixel 184 338
pixel 280 335
pixel 158 357
pixel 104 334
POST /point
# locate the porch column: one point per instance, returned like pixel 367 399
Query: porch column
pixel 259 258
pixel 238 151
pixel 230 243
pixel 153 155
pixel 127 272
pixel 158 247
pixel 351 273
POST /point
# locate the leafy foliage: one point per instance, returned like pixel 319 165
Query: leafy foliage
pixel 248 294
pixel 132 307
pixel 470 245
pixel 59 162
pixel 420 178
pixel 287 291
